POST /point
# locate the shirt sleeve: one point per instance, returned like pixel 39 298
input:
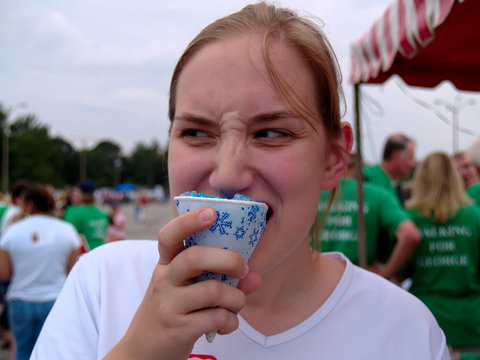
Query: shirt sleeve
pixel 5 240
pixel 391 213
pixel 74 237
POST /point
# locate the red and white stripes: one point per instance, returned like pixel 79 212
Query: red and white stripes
pixel 405 25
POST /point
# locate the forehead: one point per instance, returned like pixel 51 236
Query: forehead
pixel 409 149
pixel 234 69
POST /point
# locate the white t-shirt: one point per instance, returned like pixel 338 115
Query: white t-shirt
pixel 39 247
pixel 366 317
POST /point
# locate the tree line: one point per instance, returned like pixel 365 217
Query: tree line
pixel 35 156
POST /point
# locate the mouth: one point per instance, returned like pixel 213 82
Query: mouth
pixel 269 214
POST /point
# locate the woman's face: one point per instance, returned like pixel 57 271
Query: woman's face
pixel 233 133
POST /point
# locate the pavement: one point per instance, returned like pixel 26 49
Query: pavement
pixel 152 218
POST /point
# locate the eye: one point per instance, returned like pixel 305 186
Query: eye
pixel 196 137
pixel 194 133
pixel 271 133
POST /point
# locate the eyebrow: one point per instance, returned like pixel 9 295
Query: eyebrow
pixel 193 118
pixel 263 117
pixel 274 115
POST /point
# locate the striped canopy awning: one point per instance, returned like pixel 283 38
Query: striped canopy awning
pixel 424 42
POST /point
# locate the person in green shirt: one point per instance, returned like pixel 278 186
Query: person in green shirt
pixel 474 153
pixel 381 211
pixel 88 218
pixel 466 168
pixel 397 163
pixel 468 172
pixel 445 267
pixel 474 192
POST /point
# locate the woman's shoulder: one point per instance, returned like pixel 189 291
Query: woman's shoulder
pixel 383 309
pixel 370 288
pixel 126 247
pixel 387 297
pixel 471 208
pixel 468 213
pixel 122 256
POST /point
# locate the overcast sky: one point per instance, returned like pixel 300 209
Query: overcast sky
pixel 100 69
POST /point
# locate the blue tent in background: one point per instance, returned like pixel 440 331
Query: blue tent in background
pixel 126 186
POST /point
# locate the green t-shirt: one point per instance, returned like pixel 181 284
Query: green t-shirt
pixel 3 208
pixel 376 175
pixel 90 221
pixel 445 273
pixel 381 210
pixel 474 192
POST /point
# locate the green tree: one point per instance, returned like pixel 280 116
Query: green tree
pixel 32 154
pixel 36 157
pixel 68 161
pixel 146 165
pixel 104 162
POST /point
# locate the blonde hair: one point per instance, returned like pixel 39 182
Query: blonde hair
pixel 437 188
pixel 301 34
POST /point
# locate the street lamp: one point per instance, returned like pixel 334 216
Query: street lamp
pixel 118 167
pixel 5 139
pixel 454 107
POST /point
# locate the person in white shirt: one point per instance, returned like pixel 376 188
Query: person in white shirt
pixel 14 209
pixel 254 109
pixel 36 254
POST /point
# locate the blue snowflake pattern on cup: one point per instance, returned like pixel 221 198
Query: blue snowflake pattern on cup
pixel 240 232
pixel 252 213
pixel 222 223
pixel 190 241
pixel 238 228
pixel 253 238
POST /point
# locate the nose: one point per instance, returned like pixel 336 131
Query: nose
pixel 232 172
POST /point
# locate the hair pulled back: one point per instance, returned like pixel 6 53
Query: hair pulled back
pixel 302 34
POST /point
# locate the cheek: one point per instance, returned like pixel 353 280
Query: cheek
pixel 295 173
pixel 185 169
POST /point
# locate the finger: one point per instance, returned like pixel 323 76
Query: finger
pixel 212 294
pixel 218 320
pixel 171 236
pixel 197 259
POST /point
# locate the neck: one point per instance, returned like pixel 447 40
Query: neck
pixel 38 213
pixel 389 169
pixel 296 291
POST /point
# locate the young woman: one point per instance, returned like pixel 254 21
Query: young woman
pixel 254 109
pixel 445 267
pixel 37 252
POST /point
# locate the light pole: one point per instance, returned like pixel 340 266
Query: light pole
pixel 454 107
pixel 5 140
pixel 82 152
pixel 118 167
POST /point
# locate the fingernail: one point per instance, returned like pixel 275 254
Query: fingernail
pixel 206 214
pixel 245 270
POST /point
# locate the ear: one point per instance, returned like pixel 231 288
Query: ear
pixel 337 157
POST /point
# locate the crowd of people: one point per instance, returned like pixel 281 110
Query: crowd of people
pixel 431 230
pixel 255 109
pixel 41 238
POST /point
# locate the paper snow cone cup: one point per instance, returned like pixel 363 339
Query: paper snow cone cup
pixel 240 223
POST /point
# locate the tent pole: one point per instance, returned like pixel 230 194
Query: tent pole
pixel 362 250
